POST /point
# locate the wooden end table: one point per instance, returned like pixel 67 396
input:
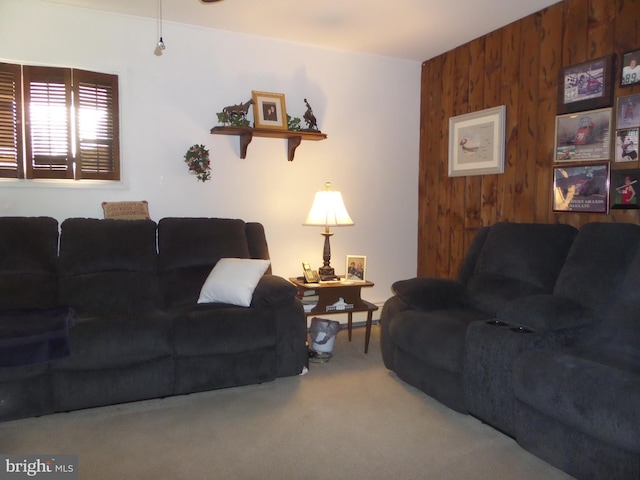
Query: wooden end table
pixel 329 293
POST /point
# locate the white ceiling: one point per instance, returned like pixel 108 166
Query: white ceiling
pixel 414 30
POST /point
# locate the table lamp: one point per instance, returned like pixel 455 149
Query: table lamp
pixel 328 210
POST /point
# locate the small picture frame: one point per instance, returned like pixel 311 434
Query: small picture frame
pixel 269 110
pixel 581 188
pixel 583 136
pixel 630 69
pixel 586 86
pixel 356 268
pixel 477 142
pixel 628 111
pixel 626 145
pixel 624 188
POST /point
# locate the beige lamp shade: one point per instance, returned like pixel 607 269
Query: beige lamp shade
pixel 328 210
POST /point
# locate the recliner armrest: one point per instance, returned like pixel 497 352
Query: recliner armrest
pixel 429 293
pixel 273 291
pixel 546 313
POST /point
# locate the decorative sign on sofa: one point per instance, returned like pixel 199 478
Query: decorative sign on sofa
pixel 476 142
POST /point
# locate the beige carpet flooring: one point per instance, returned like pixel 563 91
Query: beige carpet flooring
pixel 349 418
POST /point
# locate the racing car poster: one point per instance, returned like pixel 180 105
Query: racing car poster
pixel 581 188
pixel 583 136
pixel 586 86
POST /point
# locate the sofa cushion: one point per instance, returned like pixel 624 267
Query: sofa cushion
pixel 233 281
pixel 273 291
pixel 595 391
pixel 429 293
pixel 29 262
pixel 29 337
pixel 219 329
pixel 490 292
pixel 188 248
pixel 110 341
pixel 597 264
pixel 108 266
pixel 529 252
pixel 546 312
pixel 436 337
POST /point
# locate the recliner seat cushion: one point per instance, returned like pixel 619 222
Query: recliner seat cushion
pixel 223 330
pixel 436 337
pixel 110 341
pixel 593 390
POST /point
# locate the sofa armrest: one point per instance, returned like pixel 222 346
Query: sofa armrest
pixel 546 313
pixel 273 291
pixel 428 293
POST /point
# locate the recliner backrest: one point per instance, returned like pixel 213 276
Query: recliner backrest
pixel 108 266
pixel 189 248
pixel 597 264
pixel 28 262
pixel 518 259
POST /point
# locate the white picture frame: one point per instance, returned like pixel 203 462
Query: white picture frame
pixel 477 142
pixel 355 268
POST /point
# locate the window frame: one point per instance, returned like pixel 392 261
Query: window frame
pixel 49 143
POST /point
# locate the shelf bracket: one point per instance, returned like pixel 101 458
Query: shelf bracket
pixel 293 144
pixel 245 140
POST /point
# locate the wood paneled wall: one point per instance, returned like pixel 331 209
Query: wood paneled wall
pixel 517 66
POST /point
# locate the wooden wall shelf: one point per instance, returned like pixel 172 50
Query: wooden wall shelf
pixel 246 134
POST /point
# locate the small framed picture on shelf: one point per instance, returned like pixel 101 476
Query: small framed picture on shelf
pixel 583 136
pixel 581 188
pixel 628 111
pixel 624 188
pixel 626 145
pixel 630 74
pixel 269 110
pixel 356 268
pixel 586 86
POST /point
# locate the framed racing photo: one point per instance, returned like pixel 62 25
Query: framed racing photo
pixel 586 86
pixel 581 188
pixel 583 136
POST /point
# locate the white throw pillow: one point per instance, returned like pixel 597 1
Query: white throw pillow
pixel 233 280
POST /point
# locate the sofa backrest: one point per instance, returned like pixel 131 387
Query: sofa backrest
pixel 597 264
pixel 108 266
pixel 517 259
pixel 189 248
pixel 28 262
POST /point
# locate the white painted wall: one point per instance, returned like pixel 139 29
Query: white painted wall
pixel 367 105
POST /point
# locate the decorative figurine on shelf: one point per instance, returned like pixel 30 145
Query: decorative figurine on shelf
pixel 236 115
pixel 197 158
pixel 310 118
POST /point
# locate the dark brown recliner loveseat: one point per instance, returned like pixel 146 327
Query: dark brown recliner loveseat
pixel 539 336
pixel 121 301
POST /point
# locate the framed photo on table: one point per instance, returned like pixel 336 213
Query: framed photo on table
pixel 586 86
pixel 477 142
pixel 269 110
pixel 583 136
pixel 581 188
pixel 356 267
